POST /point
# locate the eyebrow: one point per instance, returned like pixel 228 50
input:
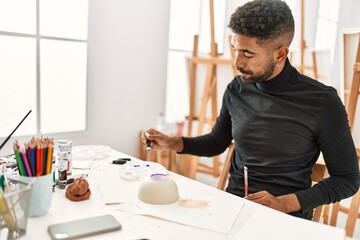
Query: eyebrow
pixel 243 50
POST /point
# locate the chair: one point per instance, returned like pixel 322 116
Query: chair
pixel 352 211
pixel 351 106
pixel 319 172
pixel 224 175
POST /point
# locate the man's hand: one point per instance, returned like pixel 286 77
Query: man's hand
pixel 287 203
pixel 160 141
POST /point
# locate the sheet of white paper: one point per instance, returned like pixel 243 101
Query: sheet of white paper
pixel 82 164
pixel 117 187
pixel 84 156
pixel 214 217
pixel 91 152
pixel 114 190
pixel 284 227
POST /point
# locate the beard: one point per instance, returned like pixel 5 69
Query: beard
pixel 260 77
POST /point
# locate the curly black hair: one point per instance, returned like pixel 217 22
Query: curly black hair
pixel 264 20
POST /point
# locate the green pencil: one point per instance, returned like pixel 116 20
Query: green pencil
pixel 19 162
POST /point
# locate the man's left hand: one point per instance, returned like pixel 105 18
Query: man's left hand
pixel 287 203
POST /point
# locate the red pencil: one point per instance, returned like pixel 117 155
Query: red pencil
pixel 38 160
pixel 41 161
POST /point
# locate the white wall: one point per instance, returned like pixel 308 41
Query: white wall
pixel 348 18
pixel 128 42
pixel 126 72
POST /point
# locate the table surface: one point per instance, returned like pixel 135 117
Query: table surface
pixel 135 226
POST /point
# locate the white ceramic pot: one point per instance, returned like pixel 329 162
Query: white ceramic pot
pixel 158 189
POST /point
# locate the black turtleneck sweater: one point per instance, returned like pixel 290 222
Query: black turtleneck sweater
pixel 279 128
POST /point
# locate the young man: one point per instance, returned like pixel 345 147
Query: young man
pixel 279 119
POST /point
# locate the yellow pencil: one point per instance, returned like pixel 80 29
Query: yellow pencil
pixel 6 213
pixel 49 159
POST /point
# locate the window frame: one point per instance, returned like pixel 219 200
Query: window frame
pixel 38 37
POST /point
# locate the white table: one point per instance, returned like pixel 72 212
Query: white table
pixel 138 226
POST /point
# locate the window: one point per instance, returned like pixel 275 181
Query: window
pixel 325 40
pixel 188 18
pixel 43 65
pixel 327 22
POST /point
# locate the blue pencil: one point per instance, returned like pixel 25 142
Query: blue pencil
pixel 45 159
pixel 32 157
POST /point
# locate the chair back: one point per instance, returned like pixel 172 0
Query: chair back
pixel 224 175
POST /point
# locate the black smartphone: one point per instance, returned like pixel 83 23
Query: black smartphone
pixel 121 161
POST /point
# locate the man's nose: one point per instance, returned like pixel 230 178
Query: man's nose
pixel 239 61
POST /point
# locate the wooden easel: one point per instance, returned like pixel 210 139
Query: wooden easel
pixel 191 163
pixel 302 67
pixel 354 91
pixel 351 103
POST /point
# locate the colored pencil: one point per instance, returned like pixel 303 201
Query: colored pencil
pixel 41 159
pixel 4 211
pixel 49 159
pixel 36 158
pixel 23 163
pixel 27 150
pixel 18 161
pixel 45 159
pixel 32 159
pixel 38 164
pixel 27 164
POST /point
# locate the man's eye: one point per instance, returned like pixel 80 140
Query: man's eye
pixel 248 55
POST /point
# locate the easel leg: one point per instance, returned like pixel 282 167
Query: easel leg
pixel 216 159
pixel 206 95
pixel 352 215
pixel 192 84
pixel 314 67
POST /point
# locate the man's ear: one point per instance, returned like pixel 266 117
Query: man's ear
pixel 281 54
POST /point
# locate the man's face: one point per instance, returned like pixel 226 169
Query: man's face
pixel 255 63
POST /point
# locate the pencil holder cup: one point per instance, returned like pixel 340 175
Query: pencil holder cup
pixel 41 194
pixel 14 209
